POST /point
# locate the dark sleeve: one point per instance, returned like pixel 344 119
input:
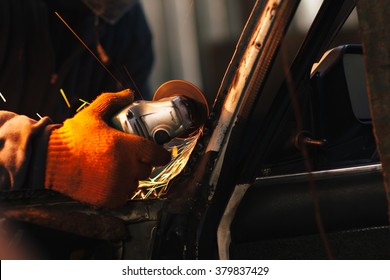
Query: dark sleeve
pixel 130 47
pixel 23 145
pixel 139 58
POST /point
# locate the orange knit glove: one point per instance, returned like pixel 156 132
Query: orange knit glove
pixel 92 162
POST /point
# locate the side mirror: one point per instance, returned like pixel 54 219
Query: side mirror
pixel 356 83
pixel 339 78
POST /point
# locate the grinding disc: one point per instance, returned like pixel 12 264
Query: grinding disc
pixel 187 89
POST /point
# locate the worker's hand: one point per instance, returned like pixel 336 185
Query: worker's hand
pixel 92 162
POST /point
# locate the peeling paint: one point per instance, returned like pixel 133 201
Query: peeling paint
pixel 240 81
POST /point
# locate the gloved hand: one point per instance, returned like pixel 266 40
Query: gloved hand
pixel 92 162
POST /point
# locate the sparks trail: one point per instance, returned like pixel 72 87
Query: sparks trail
pixel 157 184
pixel 2 97
pixel 82 105
pixel 133 83
pixel 91 52
pixel 65 98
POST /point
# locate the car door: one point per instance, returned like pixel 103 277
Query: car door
pixel 319 189
pixel 292 173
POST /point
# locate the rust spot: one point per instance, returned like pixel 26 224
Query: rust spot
pixel 273 10
pixel 71 220
pixel 235 79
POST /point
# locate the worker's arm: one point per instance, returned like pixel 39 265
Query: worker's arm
pixel 23 145
pixel 85 158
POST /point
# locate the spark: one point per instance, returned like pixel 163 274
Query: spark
pixel 39 115
pixel 82 105
pixel 86 102
pixel 132 81
pixel 157 184
pixel 2 97
pixel 88 49
pixel 64 96
pixel 174 151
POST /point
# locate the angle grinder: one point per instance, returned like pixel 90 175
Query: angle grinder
pixel 178 109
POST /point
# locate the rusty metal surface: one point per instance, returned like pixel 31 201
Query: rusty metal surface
pixel 215 170
pixel 80 223
pixel 375 34
pixel 52 210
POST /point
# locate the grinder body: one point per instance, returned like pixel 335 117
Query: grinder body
pixel 159 121
pixel 178 109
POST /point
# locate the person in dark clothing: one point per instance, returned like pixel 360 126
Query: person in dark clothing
pixel 70 152
pixel 39 55
pixel 85 157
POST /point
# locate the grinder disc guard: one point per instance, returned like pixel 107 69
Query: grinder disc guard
pixel 199 108
pixel 157 185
